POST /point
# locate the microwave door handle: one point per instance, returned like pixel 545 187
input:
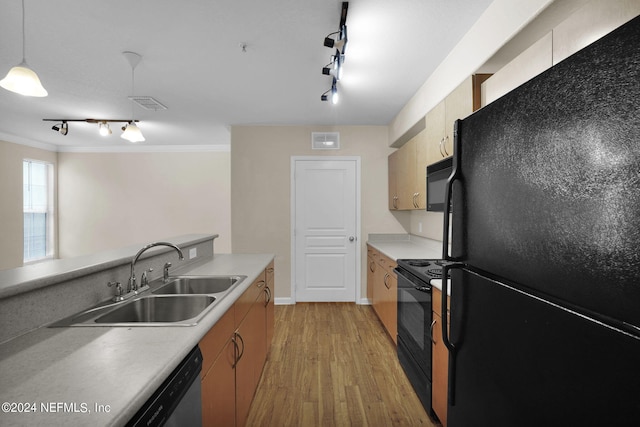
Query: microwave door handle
pixel 448 189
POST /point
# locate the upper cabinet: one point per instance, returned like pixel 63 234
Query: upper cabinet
pixel 407 165
pixel 407 182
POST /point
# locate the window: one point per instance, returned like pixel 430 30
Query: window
pixel 37 180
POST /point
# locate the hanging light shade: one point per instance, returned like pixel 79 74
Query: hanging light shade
pixel 132 133
pixel 22 79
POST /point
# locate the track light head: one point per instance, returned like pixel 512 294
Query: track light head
pixel 104 129
pixel 63 128
pixel 331 94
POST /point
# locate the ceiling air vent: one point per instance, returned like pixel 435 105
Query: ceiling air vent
pixel 148 103
pixel 325 140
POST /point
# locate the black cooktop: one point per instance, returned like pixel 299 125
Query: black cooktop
pixel 424 269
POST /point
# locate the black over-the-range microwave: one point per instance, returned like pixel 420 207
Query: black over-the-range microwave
pixel 437 176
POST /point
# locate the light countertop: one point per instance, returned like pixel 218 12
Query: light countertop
pixel 77 370
pixel 406 246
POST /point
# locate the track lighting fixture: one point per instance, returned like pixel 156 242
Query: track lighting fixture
pixel 331 93
pixel 22 79
pixel 104 129
pixel 334 68
pixel 341 43
pixel 63 128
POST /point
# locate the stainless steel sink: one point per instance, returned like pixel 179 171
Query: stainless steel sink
pixel 159 308
pixel 198 284
pixel 183 301
pixel 149 310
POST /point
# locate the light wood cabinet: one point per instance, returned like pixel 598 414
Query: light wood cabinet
pixel 384 290
pixel 393 179
pixel 440 360
pixel 371 269
pixel 218 373
pixel 234 353
pixel 439 121
pixel 270 303
pixel 407 176
pixel 408 164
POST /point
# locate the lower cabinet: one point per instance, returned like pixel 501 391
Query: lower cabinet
pixel 218 373
pixel 440 361
pixel 384 290
pixel 234 353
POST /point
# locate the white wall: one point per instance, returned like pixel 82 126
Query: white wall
pixel 110 200
pixel 260 188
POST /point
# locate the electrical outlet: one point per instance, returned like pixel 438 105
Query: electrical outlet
pixel 419 227
pixel 193 252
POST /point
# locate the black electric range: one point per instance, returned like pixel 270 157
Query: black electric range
pixel 415 322
pixel 424 270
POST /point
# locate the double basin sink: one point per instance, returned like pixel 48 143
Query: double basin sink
pixel 179 301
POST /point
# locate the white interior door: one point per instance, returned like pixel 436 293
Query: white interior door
pixel 325 230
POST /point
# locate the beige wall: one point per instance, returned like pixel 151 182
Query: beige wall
pixel 11 218
pixel 260 188
pixel 110 200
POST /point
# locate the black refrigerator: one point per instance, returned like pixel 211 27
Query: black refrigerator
pixel 545 248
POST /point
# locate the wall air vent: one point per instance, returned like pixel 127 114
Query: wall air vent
pixel 325 140
pixel 148 103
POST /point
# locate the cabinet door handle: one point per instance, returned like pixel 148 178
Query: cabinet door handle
pixel 372 266
pixel 236 350
pixel 431 330
pixel 445 145
pixel 386 276
pixel 260 283
pixel 235 343
pixel 267 291
pixel 441 141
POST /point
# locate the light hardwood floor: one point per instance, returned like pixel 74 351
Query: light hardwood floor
pixel 332 364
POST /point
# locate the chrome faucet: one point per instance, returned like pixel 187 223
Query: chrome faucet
pixel 133 287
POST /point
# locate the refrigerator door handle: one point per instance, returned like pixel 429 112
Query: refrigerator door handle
pixel 446 291
pixel 448 188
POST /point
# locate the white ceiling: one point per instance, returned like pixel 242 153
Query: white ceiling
pixel 193 63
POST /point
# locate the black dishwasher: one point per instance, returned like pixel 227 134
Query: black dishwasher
pixel 177 402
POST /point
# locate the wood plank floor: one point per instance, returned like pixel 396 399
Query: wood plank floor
pixel 332 364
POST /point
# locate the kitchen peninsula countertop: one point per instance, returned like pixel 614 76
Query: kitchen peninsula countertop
pixel 76 376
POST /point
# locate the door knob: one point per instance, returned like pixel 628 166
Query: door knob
pixel 351 238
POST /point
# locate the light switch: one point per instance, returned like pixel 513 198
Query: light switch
pixel 193 252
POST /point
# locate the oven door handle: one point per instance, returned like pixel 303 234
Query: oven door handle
pixel 433 323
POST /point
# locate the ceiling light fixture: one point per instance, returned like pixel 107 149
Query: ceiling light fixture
pixel 334 68
pixel 104 129
pixel 132 133
pixel 103 124
pixel 341 44
pixel 334 93
pixel 63 127
pixel 22 79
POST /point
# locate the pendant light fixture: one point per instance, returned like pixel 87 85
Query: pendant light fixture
pixel 132 133
pixel 22 79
